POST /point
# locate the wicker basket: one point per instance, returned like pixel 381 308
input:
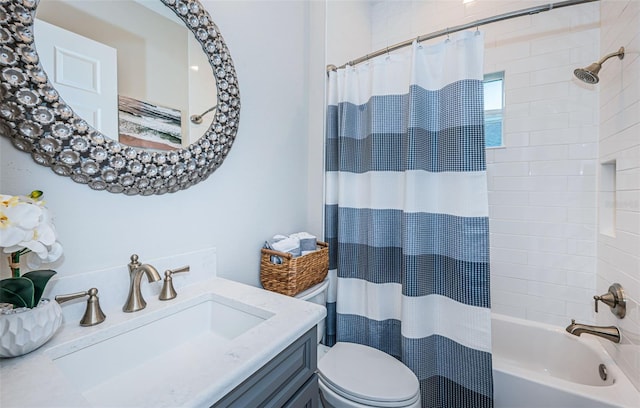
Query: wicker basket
pixel 294 275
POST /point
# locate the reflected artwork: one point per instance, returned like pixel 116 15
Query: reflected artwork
pixel 149 126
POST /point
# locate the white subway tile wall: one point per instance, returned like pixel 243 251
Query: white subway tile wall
pixel 547 257
pixel 619 253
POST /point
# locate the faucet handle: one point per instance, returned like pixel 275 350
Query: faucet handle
pixel 614 298
pixel 168 292
pixel 596 298
pixel 93 313
pixel 134 259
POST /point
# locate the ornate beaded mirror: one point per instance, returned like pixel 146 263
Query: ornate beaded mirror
pixel 39 122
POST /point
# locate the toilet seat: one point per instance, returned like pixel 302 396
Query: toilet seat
pixel 368 376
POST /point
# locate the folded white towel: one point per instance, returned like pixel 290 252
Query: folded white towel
pixel 308 242
pixel 279 237
pixel 290 245
pixel 302 235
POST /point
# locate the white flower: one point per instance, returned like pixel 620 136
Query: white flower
pixel 26 223
pixel 34 260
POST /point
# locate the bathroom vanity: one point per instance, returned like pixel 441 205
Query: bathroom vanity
pixel 219 343
pixel 289 380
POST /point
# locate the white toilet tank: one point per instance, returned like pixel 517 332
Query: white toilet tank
pixel 318 295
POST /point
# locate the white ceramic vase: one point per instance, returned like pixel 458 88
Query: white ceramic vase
pixel 27 330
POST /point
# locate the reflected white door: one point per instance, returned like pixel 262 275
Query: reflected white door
pixel 85 73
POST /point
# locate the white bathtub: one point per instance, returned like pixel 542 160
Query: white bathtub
pixel 538 365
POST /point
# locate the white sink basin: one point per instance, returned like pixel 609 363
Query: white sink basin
pixel 187 352
pixel 142 349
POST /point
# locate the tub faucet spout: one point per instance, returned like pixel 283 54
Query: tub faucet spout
pixel 610 333
pixel 135 301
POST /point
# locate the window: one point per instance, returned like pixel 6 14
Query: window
pixel 493 108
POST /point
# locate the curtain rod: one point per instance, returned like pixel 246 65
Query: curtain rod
pixel 477 23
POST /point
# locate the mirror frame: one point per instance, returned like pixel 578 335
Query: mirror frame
pixel 39 122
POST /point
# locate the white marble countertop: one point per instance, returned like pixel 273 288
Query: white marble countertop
pixel 198 377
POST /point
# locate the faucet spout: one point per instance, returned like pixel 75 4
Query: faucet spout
pixel 610 333
pixel 135 301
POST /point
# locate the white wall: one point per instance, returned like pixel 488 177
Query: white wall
pixel 619 251
pixel 348 30
pixel 316 71
pixel 261 189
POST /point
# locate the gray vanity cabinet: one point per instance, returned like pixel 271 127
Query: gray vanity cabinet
pixel 288 380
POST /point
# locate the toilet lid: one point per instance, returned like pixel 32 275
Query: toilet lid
pixel 368 375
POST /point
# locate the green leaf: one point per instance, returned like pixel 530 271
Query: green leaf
pixel 40 279
pixel 17 291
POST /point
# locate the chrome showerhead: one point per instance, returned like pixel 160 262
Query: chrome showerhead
pixel 590 73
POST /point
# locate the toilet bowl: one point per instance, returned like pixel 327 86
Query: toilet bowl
pixel 356 376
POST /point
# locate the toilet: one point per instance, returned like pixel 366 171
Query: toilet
pixel 355 376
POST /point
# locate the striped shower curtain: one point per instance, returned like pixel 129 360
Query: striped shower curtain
pixel 407 215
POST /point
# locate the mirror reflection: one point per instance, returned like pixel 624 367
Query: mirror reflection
pixel 127 68
pixel 40 123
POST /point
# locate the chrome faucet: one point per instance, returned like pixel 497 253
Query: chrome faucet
pixel 135 301
pixel 610 333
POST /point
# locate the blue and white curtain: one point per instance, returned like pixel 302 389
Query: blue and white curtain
pixel 407 215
